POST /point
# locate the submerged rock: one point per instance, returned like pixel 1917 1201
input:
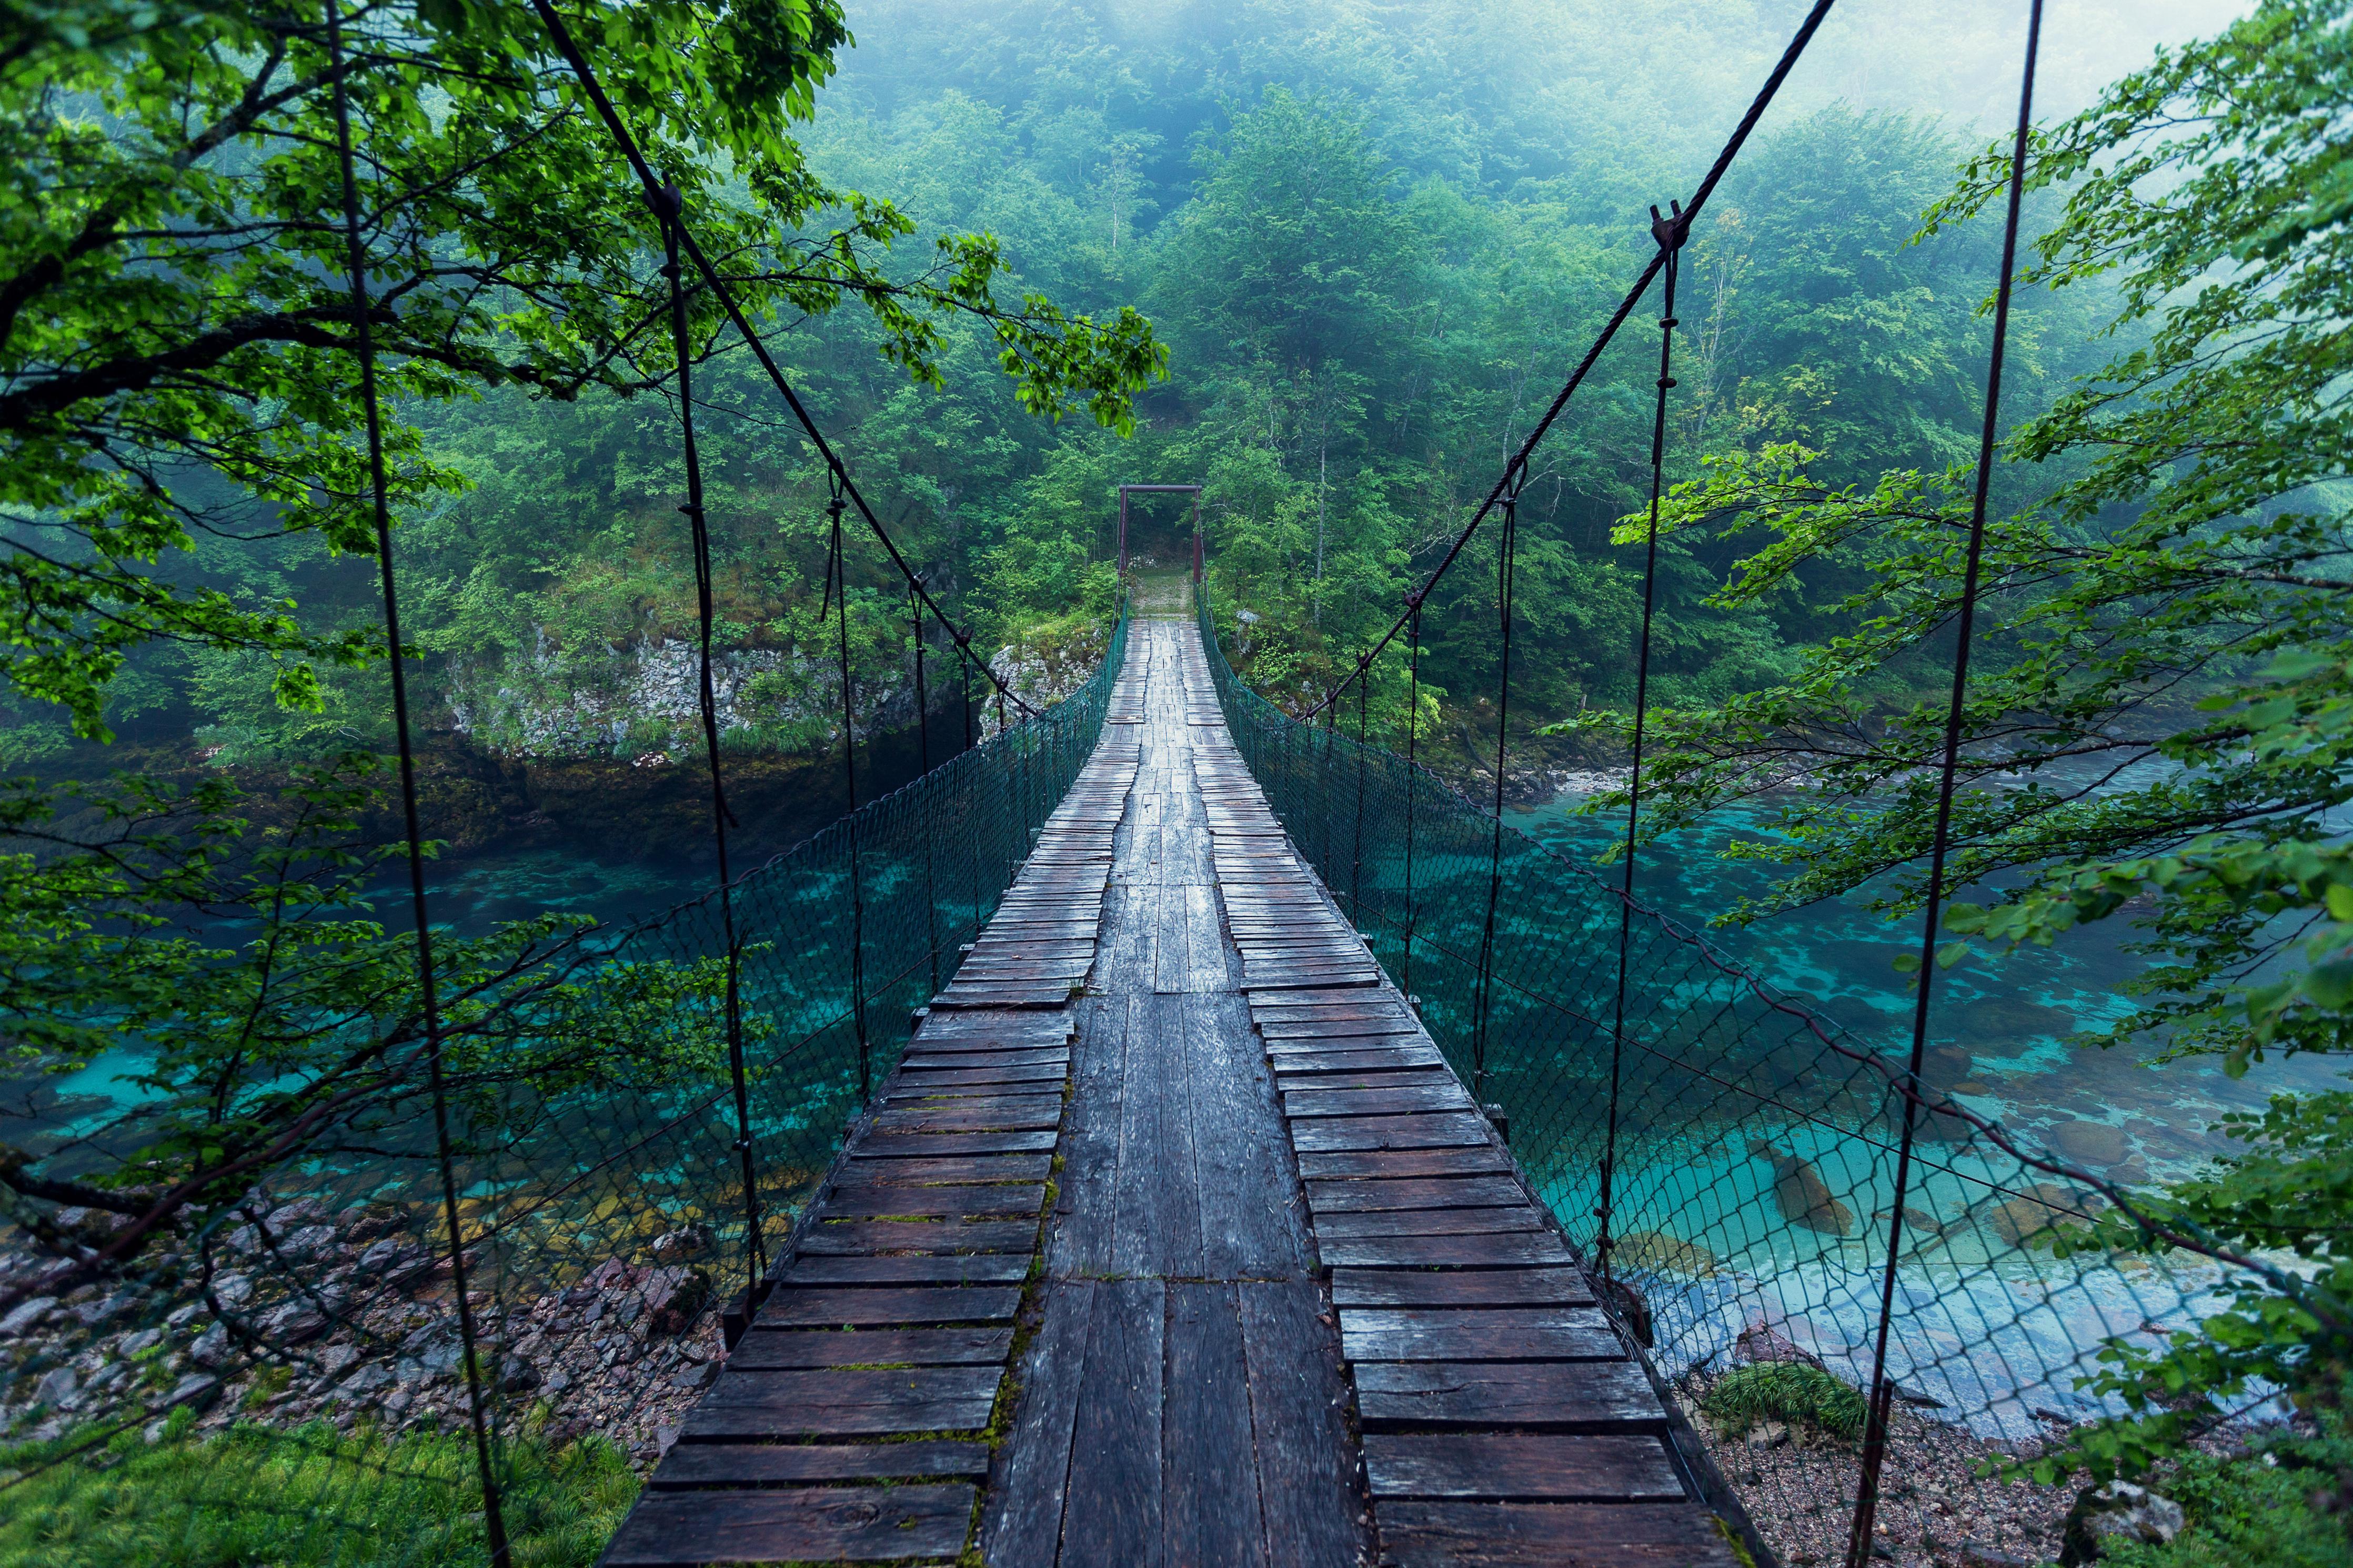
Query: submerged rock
pixel 1663 1254
pixel 2089 1143
pixel 1805 1198
pixel 2023 1220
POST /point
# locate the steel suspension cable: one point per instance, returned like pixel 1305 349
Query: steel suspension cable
pixel 666 204
pixel 363 331
pixel 1412 730
pixel 837 593
pixel 1356 848
pixel 1670 233
pixel 1881 1390
pixel 1518 462
pixel 839 472
pixel 971 794
pixel 1504 573
pixel 923 760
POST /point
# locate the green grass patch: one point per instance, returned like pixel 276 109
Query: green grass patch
pixel 255 1496
pixel 1785 1391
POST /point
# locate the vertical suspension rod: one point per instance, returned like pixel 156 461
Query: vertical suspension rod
pixel 364 327
pixel 1670 233
pixel 1412 730
pixel 838 589
pixel 923 760
pixel 665 204
pixel 1506 561
pixel 1866 1503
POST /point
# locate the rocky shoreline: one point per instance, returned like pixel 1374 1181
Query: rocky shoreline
pixel 365 1333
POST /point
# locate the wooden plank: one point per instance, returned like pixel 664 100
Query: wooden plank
pixel 1156 1230
pixel 985 1031
pixel 1306 1462
pixel 1300 1069
pixel 916 1062
pixel 1385 1163
pixel 828 1524
pixel 1023 1520
pixel 913 1085
pixel 762 1347
pixel 868 1169
pixel 1508 1250
pixel 890 1145
pixel 1258 980
pixel 1425 1222
pixel 1332 1052
pixel 1334 1135
pixel 997 1113
pixel 1425 1192
pixel 1507 1393
pixel 933 1202
pixel 1525 1467
pixel 1208 970
pixel 785 1464
pixel 1551 1535
pixel 979 1269
pixel 1315 1075
pixel 853 1387
pixel 1251 1219
pixel 789 1308
pixel 750 1422
pixel 1408 1101
pixel 1467 1342
pixel 1114 1512
pixel 1490 1288
pixel 993 1044
pixel 1211 1480
pixel 860 1237
pixel 1079 1239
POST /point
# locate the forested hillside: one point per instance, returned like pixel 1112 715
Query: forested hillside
pixel 1371 242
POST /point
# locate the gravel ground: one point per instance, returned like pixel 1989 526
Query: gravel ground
pixel 1934 1508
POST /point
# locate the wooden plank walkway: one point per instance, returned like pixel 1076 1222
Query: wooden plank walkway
pixel 1501 1419
pixel 1282 1298
pixel 849 1423
pixel 1183 1400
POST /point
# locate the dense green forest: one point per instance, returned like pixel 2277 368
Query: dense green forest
pixel 1371 243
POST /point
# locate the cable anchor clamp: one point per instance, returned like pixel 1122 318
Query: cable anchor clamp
pixel 1672 230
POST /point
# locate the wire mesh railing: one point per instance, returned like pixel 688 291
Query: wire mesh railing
pixel 1743 1238
pixel 273 1369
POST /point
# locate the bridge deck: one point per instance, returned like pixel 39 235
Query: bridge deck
pixel 1289 1302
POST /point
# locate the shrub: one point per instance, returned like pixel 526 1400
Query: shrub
pixel 1784 1391
pixel 2282 1509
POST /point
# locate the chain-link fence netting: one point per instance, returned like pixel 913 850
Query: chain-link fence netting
pixel 1753 1165
pixel 268 1363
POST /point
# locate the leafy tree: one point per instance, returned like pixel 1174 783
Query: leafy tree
pixel 173 322
pixel 181 469
pixel 2156 724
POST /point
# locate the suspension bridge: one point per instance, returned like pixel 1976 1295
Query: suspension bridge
pixel 1176 1132
pixel 1278 1287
